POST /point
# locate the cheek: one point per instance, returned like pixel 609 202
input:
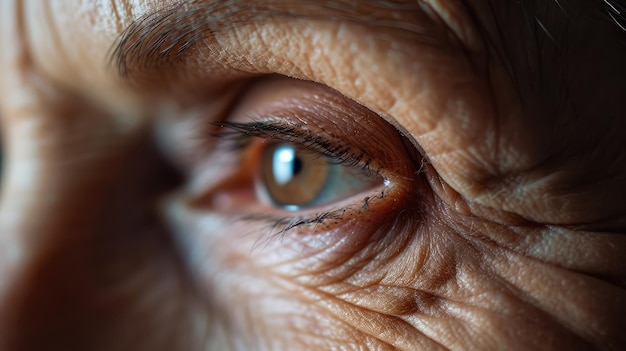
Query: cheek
pixel 316 283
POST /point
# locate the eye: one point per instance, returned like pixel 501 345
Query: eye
pixel 295 154
pixel 293 177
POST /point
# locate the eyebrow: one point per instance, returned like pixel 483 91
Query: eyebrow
pixel 163 37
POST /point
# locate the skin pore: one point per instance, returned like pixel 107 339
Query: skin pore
pixel 126 224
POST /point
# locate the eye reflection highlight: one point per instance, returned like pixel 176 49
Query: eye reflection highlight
pixel 286 165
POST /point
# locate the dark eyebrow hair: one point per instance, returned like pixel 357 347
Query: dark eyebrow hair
pixel 164 36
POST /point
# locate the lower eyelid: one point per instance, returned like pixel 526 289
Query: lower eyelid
pixel 381 200
pixel 336 234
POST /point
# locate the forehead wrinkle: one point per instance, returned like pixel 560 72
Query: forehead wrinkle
pixel 162 37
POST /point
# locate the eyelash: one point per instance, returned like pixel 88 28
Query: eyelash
pixel 239 136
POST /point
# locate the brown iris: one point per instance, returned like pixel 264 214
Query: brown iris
pixel 293 176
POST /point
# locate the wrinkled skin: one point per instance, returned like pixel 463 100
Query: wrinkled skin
pixel 117 228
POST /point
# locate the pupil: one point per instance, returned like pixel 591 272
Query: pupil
pixel 297 166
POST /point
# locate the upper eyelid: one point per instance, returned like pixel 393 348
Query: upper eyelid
pixel 295 106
